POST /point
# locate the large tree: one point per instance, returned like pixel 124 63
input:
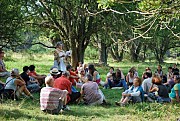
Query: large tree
pixel 71 19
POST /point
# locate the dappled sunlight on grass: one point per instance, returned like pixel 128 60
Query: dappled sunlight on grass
pixel 26 109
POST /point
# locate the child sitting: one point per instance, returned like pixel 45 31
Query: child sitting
pixel 175 91
pixel 134 93
pixel 159 91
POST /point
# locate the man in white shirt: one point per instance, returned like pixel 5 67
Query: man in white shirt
pixel 147 83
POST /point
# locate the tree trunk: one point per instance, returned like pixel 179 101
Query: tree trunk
pixel 102 53
pixel 134 52
pixel 115 53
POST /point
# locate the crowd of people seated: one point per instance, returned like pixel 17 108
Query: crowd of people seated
pixel 60 88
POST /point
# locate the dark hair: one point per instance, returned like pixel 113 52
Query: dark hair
pixel 149 74
pixel 65 73
pixel 178 78
pixel 92 68
pixel 139 80
pixel 31 67
pixel 89 77
pixel 112 68
pixel 25 68
pixel 132 71
pixel 68 67
pixel 170 67
pixel 118 71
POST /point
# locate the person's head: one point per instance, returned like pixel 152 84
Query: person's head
pixel 1 53
pixel 14 72
pixel 66 74
pixel 131 72
pixel 32 68
pixel 111 70
pixel 148 74
pixel 26 69
pixel 176 79
pixel 91 68
pixel 68 67
pixel 59 45
pixel 54 72
pixel 175 66
pixel 137 82
pixel 170 69
pixel 49 81
pixel 82 71
pixel 148 69
pixel 89 77
pixel 159 67
pixel 118 73
pixel 156 80
pixel 80 64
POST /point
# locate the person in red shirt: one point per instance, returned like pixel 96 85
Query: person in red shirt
pixel 74 78
pixel 63 83
pixel 32 73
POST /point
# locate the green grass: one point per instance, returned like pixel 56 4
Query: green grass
pixel 26 109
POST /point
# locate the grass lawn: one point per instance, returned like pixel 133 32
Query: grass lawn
pixel 27 109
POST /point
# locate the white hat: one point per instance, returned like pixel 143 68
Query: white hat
pixel 14 72
pixel 54 71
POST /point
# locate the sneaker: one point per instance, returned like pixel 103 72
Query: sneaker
pixel 123 105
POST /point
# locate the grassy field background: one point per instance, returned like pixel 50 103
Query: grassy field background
pixel 27 109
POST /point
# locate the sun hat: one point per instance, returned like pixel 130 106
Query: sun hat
pixel 14 72
pixel 54 71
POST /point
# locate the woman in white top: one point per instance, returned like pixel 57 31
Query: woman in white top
pixel 130 77
pixel 59 57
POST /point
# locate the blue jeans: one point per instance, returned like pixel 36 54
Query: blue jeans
pixel 122 83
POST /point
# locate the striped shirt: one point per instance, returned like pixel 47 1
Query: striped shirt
pixel 49 97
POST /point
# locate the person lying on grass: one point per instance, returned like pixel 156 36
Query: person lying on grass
pixel 52 100
pixel 15 85
pixel 175 91
pixel 159 92
pixel 91 93
pixel 134 93
pixel 33 74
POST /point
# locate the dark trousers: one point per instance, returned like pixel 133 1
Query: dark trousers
pixel 74 96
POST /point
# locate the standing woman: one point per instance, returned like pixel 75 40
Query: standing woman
pixel 59 57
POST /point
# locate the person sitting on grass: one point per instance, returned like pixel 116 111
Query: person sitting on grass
pixel 117 80
pixel 130 77
pixel 54 72
pixel 74 78
pixel 175 70
pixel 110 74
pixel 33 74
pixel 147 83
pixel 159 71
pixel 3 71
pixel 31 84
pixel 91 93
pixel 134 93
pixel 175 91
pixel 15 85
pixel 160 91
pixel 144 76
pixel 95 74
pixel 52 100
pixel 63 83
